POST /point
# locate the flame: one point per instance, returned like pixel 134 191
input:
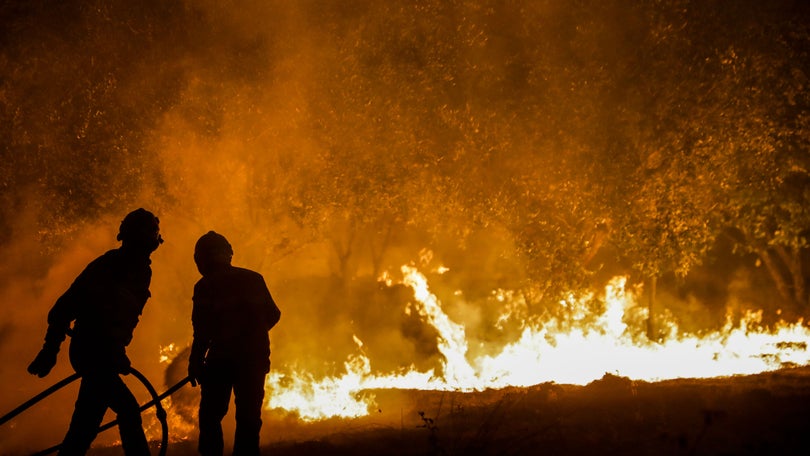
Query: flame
pixel 574 350
pixel 180 429
pixel 168 353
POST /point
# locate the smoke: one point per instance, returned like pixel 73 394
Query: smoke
pixel 202 114
pixel 328 141
pixel 30 285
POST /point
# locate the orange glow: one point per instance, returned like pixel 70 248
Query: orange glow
pixel 546 351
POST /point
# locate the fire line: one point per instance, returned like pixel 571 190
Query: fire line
pixel 546 351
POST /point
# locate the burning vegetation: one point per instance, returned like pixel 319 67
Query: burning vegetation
pixel 444 196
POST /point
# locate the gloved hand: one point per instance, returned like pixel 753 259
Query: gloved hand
pixel 44 362
pixel 195 372
pixel 124 367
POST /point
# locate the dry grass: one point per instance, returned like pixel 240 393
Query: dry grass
pixel 766 414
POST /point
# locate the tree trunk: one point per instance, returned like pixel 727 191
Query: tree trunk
pixel 793 261
pixel 785 269
pixel 343 256
pixel 377 252
pixel 771 265
pixel 343 252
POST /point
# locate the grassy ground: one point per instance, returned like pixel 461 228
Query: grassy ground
pixel 766 414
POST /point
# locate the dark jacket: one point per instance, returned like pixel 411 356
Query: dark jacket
pixel 231 316
pixel 105 301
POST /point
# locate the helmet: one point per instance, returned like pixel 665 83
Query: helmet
pixel 212 248
pixel 140 227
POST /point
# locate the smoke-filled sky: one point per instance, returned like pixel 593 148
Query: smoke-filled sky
pixel 331 141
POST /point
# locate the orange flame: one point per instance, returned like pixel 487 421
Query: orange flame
pixel 546 351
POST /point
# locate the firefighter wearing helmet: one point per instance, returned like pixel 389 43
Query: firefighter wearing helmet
pixel 104 304
pixel 231 316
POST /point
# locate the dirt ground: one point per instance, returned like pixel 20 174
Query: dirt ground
pixel 765 414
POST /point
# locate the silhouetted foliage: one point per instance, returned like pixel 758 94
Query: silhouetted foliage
pixel 562 128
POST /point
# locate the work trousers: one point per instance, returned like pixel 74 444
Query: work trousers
pixel 247 383
pixel 99 391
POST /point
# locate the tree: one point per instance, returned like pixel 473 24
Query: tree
pixel 721 142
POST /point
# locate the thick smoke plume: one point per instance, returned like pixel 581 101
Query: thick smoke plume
pixel 334 141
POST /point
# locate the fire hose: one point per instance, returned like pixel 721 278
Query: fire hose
pixel 156 402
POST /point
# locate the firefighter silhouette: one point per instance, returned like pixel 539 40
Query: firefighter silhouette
pixel 231 316
pixel 104 303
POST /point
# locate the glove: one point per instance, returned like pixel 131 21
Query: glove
pixel 123 365
pixel 44 362
pixel 195 372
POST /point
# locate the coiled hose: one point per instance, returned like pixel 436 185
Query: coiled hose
pixel 159 410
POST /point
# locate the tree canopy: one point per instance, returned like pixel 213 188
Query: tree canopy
pixel 648 128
